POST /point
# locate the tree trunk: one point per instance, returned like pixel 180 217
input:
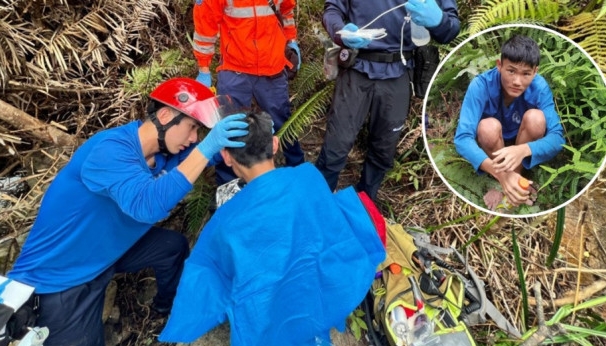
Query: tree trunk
pixel 25 122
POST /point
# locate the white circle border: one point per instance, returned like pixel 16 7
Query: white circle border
pixel 441 64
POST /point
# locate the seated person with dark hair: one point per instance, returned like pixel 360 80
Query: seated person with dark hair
pixel 284 260
pixel 508 119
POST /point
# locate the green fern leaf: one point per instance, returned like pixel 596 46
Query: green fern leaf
pixel 494 12
pixel 196 205
pixel 588 29
pixel 314 107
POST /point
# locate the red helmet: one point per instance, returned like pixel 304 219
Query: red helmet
pixel 190 98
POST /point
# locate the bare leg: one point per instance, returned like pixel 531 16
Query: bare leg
pixel 533 126
pixel 490 136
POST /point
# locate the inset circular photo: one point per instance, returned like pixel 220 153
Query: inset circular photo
pixel 515 120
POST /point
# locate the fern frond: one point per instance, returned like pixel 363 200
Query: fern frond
pixel 197 203
pixel 588 29
pixel 142 80
pixel 307 81
pixel 305 114
pixel 602 11
pixel 494 12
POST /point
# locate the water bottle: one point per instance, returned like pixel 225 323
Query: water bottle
pixel 422 333
pixel 419 34
pixel 35 337
pixel 399 323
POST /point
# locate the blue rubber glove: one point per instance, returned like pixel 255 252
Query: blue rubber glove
pixel 204 78
pixel 354 42
pixel 219 136
pixel 295 46
pixel 424 12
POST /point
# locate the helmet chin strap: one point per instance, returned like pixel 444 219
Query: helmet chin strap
pixel 163 128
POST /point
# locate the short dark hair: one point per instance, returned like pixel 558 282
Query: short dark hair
pixel 259 140
pixel 522 49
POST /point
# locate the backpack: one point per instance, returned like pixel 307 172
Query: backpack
pixel 416 293
pixel 426 61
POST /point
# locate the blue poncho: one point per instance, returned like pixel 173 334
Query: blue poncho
pixel 284 261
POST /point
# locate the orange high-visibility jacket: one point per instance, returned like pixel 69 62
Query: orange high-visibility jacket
pixel 252 40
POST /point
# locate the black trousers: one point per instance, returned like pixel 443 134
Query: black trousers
pixel 386 104
pixel 74 316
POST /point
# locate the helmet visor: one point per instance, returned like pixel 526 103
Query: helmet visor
pixel 211 110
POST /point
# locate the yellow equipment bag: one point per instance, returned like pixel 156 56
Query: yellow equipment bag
pixel 416 293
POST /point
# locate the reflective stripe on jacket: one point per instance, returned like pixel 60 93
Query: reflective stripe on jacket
pixel 252 40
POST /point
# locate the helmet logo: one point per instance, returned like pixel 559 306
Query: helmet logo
pixel 183 97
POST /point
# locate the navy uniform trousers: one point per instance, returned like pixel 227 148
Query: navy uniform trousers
pixel 271 95
pixel 74 316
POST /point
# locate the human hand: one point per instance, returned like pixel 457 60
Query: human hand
pixel 204 78
pixel 516 195
pixel 424 12
pixel 219 136
pixel 509 158
pixel 295 47
pixel 353 41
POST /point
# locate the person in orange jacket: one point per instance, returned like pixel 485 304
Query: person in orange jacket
pixel 253 37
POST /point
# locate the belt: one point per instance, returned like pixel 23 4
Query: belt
pixel 380 56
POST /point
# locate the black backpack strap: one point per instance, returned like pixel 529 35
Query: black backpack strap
pixel 278 14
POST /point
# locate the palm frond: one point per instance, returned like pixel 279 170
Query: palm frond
pixel 494 12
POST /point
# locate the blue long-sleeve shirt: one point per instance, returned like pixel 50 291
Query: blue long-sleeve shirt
pixel 96 208
pixel 284 260
pixel 337 13
pixel 483 99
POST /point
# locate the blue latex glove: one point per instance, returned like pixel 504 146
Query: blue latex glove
pixel 219 136
pixel 354 42
pixel 424 12
pixel 295 46
pixel 204 78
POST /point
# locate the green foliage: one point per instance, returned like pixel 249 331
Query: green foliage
pixel 557 238
pixel 484 229
pixel 580 93
pixel 495 12
pixel 602 11
pixel 413 171
pixel 464 64
pixel 169 63
pixel 588 29
pixel 197 203
pixel 460 174
pixel 591 324
pixel 357 323
pixel 311 101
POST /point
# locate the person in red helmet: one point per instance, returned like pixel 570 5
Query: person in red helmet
pixel 97 217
